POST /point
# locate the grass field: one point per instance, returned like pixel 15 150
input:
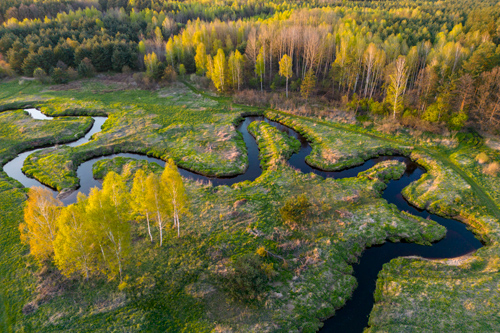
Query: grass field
pixel 180 286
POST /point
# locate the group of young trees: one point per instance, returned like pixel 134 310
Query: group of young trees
pixel 94 235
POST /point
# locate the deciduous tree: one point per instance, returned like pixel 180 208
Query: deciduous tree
pixel 39 229
pixel 74 246
pixel 286 69
pixel 158 202
pixel 138 196
pixel 397 86
pixel 175 192
pixel 219 70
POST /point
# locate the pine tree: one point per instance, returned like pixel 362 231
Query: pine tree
pixel 308 84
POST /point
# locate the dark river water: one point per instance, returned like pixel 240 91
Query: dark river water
pixel 353 317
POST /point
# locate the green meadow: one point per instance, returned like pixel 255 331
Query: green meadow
pixel 187 285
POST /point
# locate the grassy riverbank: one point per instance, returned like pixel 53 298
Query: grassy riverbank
pixel 180 286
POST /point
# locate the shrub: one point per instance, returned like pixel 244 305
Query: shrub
pixel 482 158
pixel 261 251
pixel 40 75
pixel 182 70
pixel 169 74
pixel 72 74
pixel 457 121
pixel 5 70
pixel 432 113
pixel 492 169
pixel 252 97
pixel 126 69
pixel 59 76
pixel 60 64
pixel 295 209
pixel 248 278
pixel 85 68
pixel 295 85
pixel 377 107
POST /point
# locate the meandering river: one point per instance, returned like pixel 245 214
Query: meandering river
pixel 353 317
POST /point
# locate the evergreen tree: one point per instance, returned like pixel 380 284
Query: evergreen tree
pixel 308 84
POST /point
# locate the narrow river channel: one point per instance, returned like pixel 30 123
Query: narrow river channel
pixel 353 317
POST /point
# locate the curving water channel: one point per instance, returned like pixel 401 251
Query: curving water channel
pixel 353 317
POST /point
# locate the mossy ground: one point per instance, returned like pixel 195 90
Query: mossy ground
pixel 176 287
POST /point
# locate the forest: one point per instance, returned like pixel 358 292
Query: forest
pixel 426 64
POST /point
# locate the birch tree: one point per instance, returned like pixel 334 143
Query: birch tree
pixel 74 245
pixel 219 70
pixel 175 192
pixel 158 202
pixel 239 62
pixel 260 67
pixel 200 59
pixel 397 86
pixel 170 52
pixel 286 69
pixel 108 210
pixel 39 229
pixel 138 196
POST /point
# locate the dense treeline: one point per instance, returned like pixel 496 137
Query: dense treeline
pixel 28 9
pixel 422 61
pixel 445 75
